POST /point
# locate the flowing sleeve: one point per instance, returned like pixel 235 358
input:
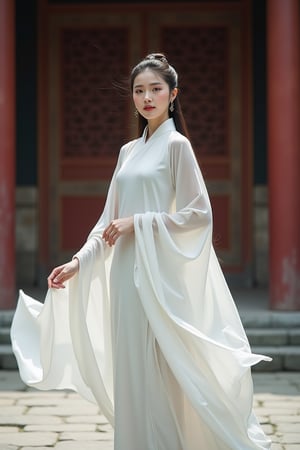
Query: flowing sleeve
pixel 193 209
pixel 192 218
pixel 190 308
pixel 65 342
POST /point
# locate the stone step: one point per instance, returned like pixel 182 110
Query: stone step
pixel 7 358
pixel 6 317
pixel 256 336
pixel 250 318
pixel 272 333
pixel 285 358
pixel 273 336
pixel 270 319
pixel 5 335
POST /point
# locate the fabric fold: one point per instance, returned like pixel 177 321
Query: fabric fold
pixel 210 361
pixel 148 329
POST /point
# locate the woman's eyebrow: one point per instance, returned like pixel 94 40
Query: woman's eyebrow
pixel 155 83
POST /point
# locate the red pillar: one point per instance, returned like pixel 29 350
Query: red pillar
pixel 284 152
pixel 7 154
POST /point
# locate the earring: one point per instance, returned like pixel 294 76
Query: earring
pixel 171 107
pixel 136 113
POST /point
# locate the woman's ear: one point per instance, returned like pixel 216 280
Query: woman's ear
pixel 174 93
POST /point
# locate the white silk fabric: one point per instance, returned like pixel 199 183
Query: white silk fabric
pixel 148 329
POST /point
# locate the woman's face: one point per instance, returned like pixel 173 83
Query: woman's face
pixel 152 96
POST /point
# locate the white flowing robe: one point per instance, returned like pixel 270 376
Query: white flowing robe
pixel 148 329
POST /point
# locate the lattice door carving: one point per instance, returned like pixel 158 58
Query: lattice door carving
pixel 87 119
pixel 93 110
pixel 206 46
pixel 201 56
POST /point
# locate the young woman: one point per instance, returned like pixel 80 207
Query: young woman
pixel 146 325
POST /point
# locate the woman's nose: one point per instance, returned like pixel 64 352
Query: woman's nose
pixel 147 96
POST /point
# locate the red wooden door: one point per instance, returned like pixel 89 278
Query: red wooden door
pixel 209 48
pixel 85 53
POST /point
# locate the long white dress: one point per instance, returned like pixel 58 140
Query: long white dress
pixel 148 329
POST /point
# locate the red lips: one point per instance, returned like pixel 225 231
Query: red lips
pixel 148 108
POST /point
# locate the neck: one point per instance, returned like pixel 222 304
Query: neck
pixel 154 124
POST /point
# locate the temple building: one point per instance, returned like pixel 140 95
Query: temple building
pixel 65 112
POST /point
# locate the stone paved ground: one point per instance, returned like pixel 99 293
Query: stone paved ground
pixel 36 420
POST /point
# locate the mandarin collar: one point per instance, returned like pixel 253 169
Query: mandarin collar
pixel 167 125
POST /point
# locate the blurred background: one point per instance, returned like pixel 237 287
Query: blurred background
pixel 65 111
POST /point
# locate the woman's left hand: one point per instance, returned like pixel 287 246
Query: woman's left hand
pixel 117 228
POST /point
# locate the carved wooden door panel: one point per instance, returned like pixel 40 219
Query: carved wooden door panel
pixel 90 54
pixel 209 50
pixel 84 119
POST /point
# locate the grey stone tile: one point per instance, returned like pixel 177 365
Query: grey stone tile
pixel 289 428
pixel 7 401
pixel 98 419
pixel 36 448
pixel 268 411
pixel 63 410
pixel 34 439
pixel 73 445
pixel 268 429
pixel 291 438
pixel 12 410
pixel 7 429
pixel 28 420
pixel 285 419
pixel 8 447
pixel 52 400
pixel 62 427
pixel 83 436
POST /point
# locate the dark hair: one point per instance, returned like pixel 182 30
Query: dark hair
pixel 159 63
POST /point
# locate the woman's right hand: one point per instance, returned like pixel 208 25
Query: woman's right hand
pixel 63 273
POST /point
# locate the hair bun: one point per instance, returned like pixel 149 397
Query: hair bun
pixel 158 56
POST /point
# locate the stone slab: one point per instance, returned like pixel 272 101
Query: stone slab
pixel 23 438
pixel 286 419
pixel 284 358
pixel 8 447
pixel 29 393
pixel 294 336
pixel 62 427
pixel 266 337
pixel 53 400
pixel 5 335
pixel 6 401
pixel 73 445
pixel 63 410
pixel 291 438
pixel 291 359
pixel 9 429
pixel 36 448
pixel 288 427
pixel 12 410
pixel 6 317
pixel 29 420
pixel 84 436
pixel 98 419
pixel 277 405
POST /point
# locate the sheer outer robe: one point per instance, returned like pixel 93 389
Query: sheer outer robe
pixel 181 289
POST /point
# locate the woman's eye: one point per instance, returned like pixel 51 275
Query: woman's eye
pixel 157 89
pixel 138 91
